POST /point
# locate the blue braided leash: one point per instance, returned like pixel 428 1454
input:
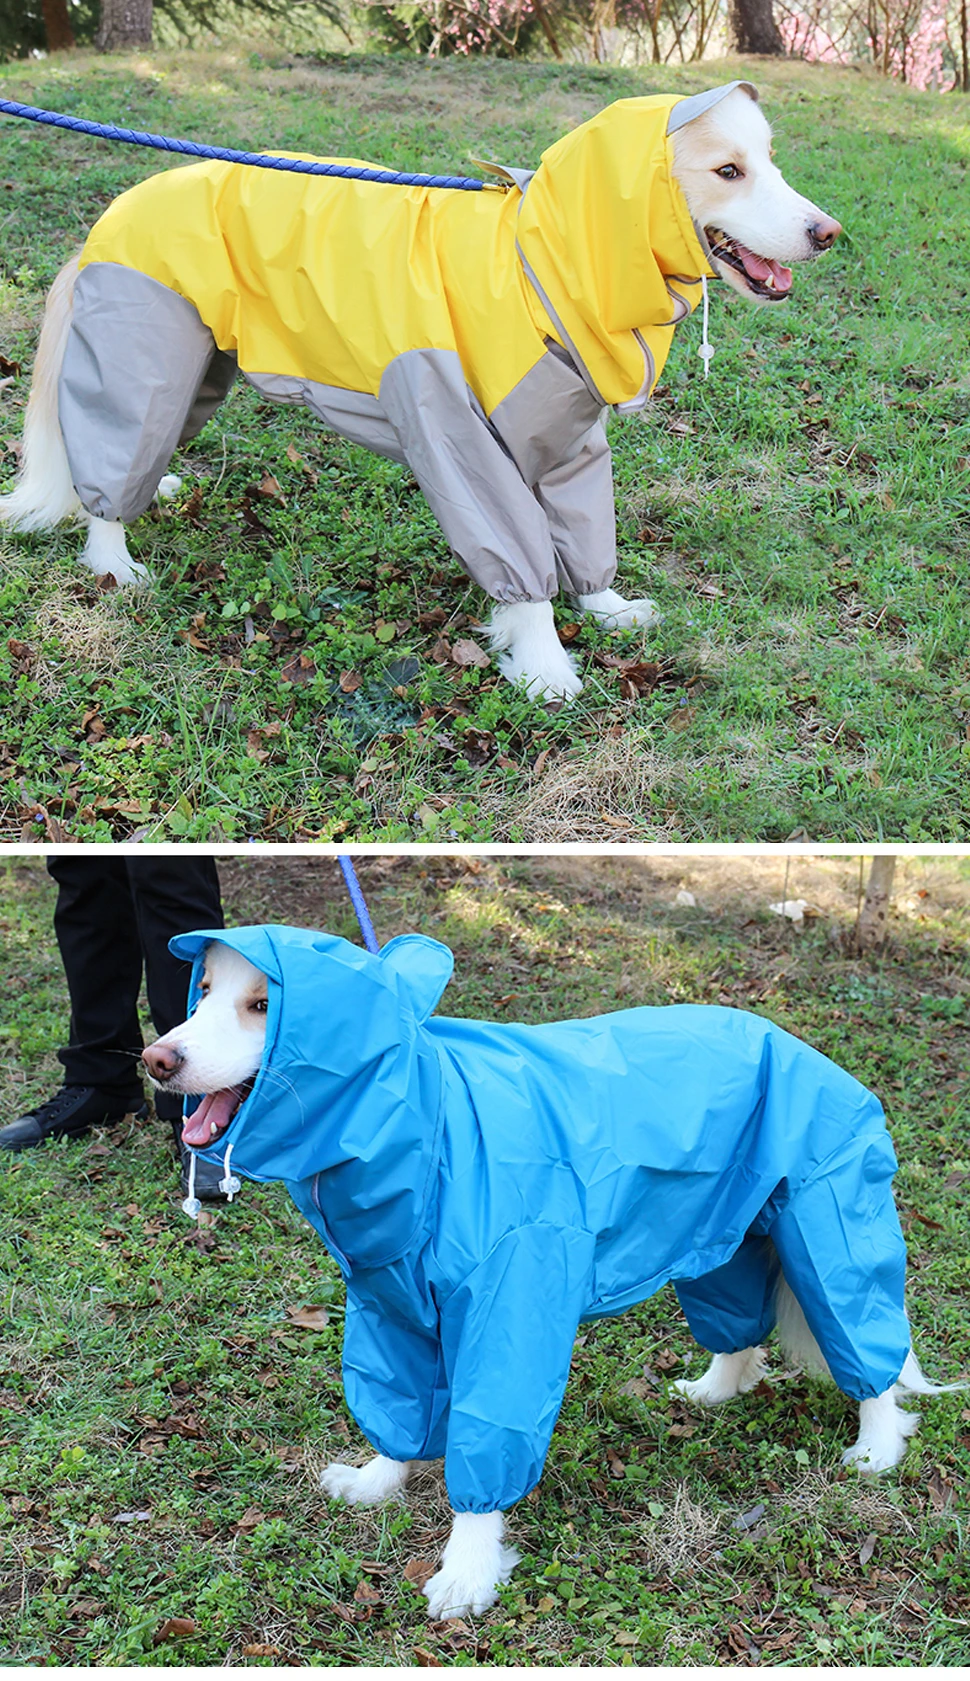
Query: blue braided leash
pixel 357 900
pixel 257 160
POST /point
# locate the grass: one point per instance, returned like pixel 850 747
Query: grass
pixel 162 1416
pixel 801 518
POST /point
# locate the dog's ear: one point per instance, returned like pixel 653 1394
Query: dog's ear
pixel 688 110
pixel 422 969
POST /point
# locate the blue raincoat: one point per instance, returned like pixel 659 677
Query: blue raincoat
pixel 485 1187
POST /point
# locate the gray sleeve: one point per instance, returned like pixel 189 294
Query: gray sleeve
pixel 577 500
pixel 486 510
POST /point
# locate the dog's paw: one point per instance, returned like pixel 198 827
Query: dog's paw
pixel 727 1375
pixel 614 613
pixel 168 487
pixel 364 1485
pixel 551 679
pixel 882 1448
pixel 464 1587
pixel 524 633
pixel 125 572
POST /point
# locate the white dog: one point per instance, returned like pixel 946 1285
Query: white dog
pixel 492 383
pixel 219 1051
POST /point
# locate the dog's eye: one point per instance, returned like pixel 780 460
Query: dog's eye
pixel 259 1005
pixel 729 172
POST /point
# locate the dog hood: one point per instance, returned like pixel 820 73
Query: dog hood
pixel 345 1106
pixel 605 234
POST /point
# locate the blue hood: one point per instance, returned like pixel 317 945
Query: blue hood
pixel 354 1123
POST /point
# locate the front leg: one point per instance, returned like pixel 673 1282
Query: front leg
pixel 614 612
pixel 366 1485
pixel 474 1565
pixel 531 652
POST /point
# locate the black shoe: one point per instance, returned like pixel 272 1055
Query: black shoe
pixel 72 1113
pixel 207 1176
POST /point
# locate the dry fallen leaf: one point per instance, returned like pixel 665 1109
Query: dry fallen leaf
pixel 467 652
pixel 268 486
pixel 260 1651
pixel 300 669
pixel 350 681
pixel 425 1659
pixel 173 1628
pixel 868 1547
pixel 310 1318
pixel 417 1571
pixel 251 1519
pixel 364 1594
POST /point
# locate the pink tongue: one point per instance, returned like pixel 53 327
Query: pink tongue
pixel 217 1107
pixel 759 268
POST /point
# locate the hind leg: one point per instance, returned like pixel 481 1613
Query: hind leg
pixel 365 1485
pixel 727 1375
pixel 883 1431
pixel 614 612
pixel 107 551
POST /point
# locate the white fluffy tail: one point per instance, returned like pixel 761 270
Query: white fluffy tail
pixel 798 1344
pixel 912 1380
pixel 44 492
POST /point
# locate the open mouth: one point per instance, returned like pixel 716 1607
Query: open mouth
pixel 213 1114
pixel 762 275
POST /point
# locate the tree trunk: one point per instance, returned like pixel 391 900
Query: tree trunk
pixel 752 27
pixel 871 926
pixel 124 23
pixel 57 26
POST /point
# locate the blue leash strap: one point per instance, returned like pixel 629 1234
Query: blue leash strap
pixel 357 900
pixel 257 160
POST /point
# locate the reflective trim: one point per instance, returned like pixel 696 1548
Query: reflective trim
pixel 688 110
pixel 581 367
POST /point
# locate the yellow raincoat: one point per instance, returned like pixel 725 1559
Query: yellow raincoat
pixel 477 336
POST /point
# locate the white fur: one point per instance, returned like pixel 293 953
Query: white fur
pixel 532 653
pixel 727 1375
pixel 474 1565
pixel 44 493
pixel 365 1485
pixel 759 208
pixel 615 613
pixel 107 551
pixel 221 1044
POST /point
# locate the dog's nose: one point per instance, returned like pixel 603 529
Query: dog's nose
pixel 162 1061
pixel 824 233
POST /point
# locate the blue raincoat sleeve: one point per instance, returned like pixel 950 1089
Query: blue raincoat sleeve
pixel 394 1382
pixel 507 1336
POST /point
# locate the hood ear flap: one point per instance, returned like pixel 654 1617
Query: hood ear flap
pixel 687 110
pixel 422 969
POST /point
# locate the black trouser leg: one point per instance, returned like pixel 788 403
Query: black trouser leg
pixel 110 911
pixel 171 896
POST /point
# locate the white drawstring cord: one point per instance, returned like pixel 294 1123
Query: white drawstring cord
pixel 192 1206
pixel 706 348
pixel 228 1184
